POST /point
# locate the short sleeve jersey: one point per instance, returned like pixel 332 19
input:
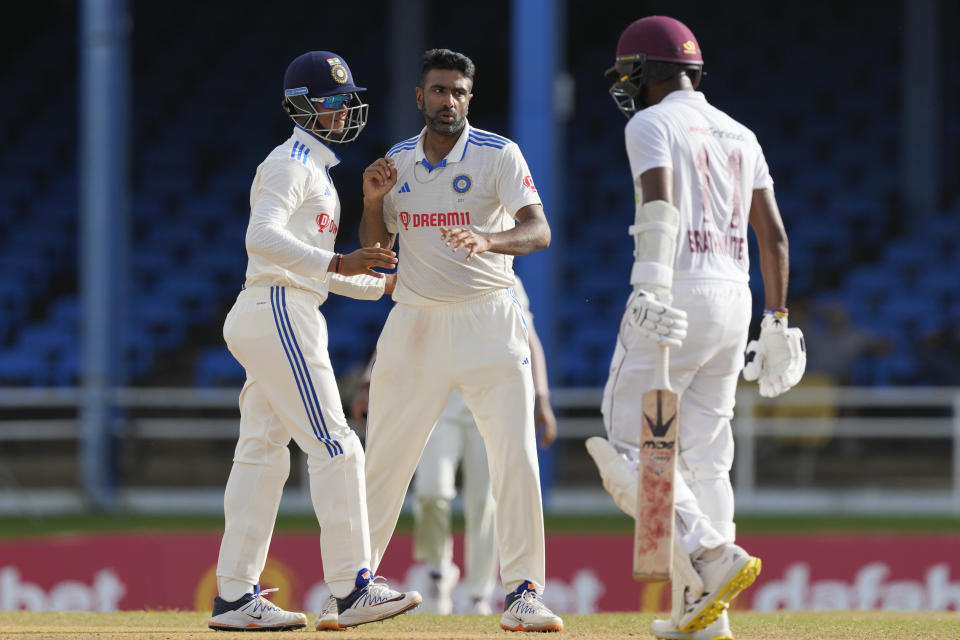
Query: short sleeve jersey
pixel 717 163
pixel 481 185
pixel 294 216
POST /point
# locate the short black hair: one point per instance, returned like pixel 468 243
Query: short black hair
pixel 446 59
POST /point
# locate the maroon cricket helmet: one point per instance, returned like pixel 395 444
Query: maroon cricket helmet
pixel 656 39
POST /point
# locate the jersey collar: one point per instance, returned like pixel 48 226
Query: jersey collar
pixel 684 95
pixel 456 154
pixel 325 156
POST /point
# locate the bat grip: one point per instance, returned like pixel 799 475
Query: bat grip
pixel 660 378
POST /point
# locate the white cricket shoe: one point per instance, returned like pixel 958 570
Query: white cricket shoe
pixel 440 590
pixel 253 612
pixel 373 602
pixel 719 630
pixel 726 571
pixel 329 618
pixel 525 611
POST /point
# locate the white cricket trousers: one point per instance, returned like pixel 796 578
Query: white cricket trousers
pixel 280 338
pixel 704 373
pixel 480 347
pixel 456 440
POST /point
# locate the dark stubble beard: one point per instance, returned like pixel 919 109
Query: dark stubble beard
pixel 452 129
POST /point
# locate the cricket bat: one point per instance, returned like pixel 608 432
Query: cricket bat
pixel 653 532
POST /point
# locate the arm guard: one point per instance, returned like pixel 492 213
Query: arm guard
pixel 655 245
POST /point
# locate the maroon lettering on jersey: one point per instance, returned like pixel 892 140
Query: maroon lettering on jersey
pixel 528 183
pixel 708 241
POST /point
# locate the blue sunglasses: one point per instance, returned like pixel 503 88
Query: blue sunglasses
pixel 333 102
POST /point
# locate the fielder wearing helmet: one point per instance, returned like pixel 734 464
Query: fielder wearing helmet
pixel 320 96
pixel 651 50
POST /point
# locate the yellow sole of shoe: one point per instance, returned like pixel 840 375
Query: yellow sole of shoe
pixel 743 579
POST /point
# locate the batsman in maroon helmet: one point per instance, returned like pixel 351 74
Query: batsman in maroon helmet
pixel 700 178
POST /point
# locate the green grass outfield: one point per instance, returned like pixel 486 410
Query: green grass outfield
pixel 153 625
pixel 115 523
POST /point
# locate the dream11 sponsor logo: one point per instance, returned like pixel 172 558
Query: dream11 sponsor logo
pixel 103 594
pixel 435 219
pixel 325 222
pixel 871 588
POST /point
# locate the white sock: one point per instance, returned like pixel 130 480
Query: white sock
pixel 232 590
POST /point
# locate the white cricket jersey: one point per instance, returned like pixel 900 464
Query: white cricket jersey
pixel 481 184
pixel 717 164
pixel 294 218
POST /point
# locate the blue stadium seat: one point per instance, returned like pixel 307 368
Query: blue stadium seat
pixel 65 313
pixel 19 367
pixel 216 367
pixel 163 322
pixel 193 292
pixel 139 349
pixel 24 266
pixel 46 342
pixel 908 258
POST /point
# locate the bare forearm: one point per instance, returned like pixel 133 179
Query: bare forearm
pixel 372 227
pixel 538 365
pixel 528 236
pixel 774 249
pixel 775 268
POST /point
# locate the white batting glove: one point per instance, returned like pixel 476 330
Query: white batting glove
pixel 778 359
pixel 655 320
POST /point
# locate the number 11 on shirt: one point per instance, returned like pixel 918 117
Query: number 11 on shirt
pixel 653 532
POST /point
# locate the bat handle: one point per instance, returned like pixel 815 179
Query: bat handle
pixel 660 378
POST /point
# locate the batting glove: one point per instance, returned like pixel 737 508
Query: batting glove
pixel 778 359
pixel 655 320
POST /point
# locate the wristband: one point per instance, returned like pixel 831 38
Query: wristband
pixel 777 312
pixel 339 261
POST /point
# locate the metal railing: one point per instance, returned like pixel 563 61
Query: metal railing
pixel 804 413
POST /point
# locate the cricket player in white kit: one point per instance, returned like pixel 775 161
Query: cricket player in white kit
pixel 456 442
pixel 700 177
pixel 463 203
pixel 275 330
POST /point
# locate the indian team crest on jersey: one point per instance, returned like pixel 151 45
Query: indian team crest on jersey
pixel 462 183
pixel 337 70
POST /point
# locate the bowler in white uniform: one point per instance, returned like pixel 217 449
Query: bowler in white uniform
pixel 463 203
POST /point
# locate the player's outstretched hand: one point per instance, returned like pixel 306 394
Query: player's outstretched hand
pixel 656 320
pixel 778 359
pixel 363 261
pixel 379 178
pixel 457 237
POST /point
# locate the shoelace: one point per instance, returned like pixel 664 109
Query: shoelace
pixel 378 590
pixel 262 603
pixel 532 599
